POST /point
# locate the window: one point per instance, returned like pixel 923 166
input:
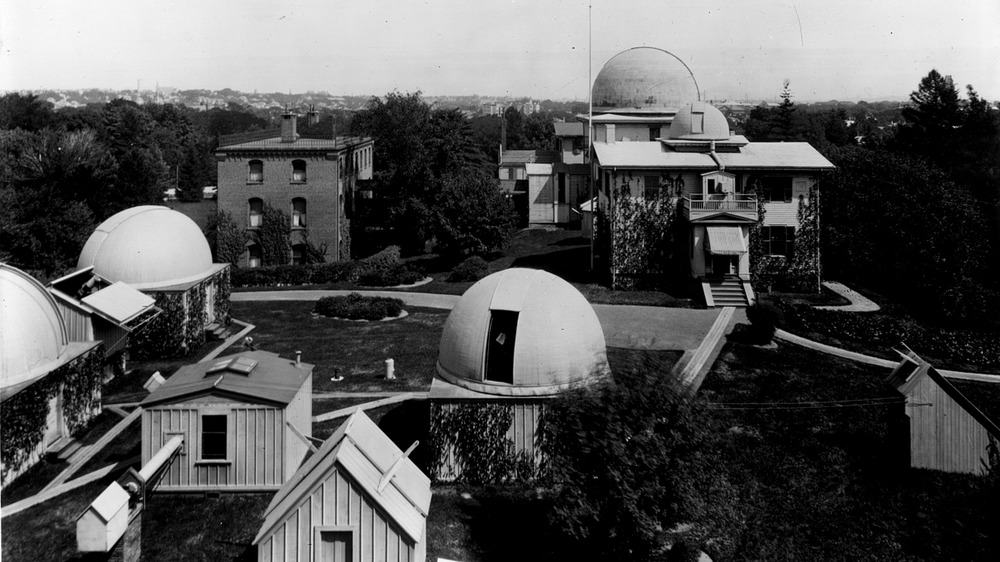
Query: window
pixel 213 437
pixel 256 213
pixel 561 195
pixel 776 190
pixel 256 256
pixel 654 133
pixel 298 170
pixel 298 254
pixel 256 171
pixel 778 240
pixel 298 213
pixel 651 186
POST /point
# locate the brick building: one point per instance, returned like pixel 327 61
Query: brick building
pixel 311 179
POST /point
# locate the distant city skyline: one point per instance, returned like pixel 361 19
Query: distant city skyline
pixel 845 50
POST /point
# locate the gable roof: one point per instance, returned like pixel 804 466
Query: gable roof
pixel 573 129
pixel 272 381
pixel 362 450
pixel 912 368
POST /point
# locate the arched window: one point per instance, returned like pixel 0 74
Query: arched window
pixel 256 171
pixel 298 254
pixel 298 213
pixel 256 256
pixel 256 213
pixel 298 170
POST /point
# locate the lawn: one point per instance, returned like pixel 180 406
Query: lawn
pixel 128 388
pixel 832 481
pixel 354 350
pixel 48 531
pixel 561 252
pixel 194 527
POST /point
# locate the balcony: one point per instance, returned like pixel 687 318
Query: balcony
pixel 699 207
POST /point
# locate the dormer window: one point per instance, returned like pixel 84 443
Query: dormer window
pixel 299 171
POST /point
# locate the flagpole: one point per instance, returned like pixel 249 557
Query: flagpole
pixel 590 127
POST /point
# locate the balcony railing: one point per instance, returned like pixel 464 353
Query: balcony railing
pixel 697 203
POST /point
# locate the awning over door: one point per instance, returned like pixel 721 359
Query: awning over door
pixel 725 241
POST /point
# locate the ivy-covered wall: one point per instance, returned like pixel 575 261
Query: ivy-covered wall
pixel 469 442
pixel 803 272
pixel 180 327
pixel 223 291
pixel 25 415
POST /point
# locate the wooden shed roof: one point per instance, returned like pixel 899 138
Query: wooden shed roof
pixel 979 399
pixel 368 456
pixel 273 380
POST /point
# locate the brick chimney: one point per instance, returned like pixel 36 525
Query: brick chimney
pixel 312 116
pixel 288 133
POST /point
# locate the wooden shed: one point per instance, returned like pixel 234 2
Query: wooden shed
pixel 244 419
pixel 949 428
pixel 358 498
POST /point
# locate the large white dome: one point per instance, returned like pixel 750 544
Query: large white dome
pixel 32 332
pixel 148 247
pixel 644 78
pixel 542 334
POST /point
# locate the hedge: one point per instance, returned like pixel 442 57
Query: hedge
pixel 471 269
pixel 398 274
pixel 316 274
pixel 357 307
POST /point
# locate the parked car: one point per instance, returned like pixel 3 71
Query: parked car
pixel 209 192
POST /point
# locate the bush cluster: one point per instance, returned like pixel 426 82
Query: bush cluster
pixel 763 319
pixel 472 268
pixel 315 274
pixel 979 348
pixel 398 274
pixel 357 307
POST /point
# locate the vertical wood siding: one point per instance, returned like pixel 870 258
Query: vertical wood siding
pixel 255 447
pixel 943 436
pixel 522 432
pixel 337 501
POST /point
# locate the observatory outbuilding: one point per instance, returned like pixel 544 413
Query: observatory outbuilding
pixel 164 254
pixel 515 339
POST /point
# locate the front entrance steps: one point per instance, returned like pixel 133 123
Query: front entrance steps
pixel 727 291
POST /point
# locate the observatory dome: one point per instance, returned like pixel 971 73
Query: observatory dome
pixel 522 332
pixel 644 78
pixel 148 247
pixel 699 121
pixel 32 333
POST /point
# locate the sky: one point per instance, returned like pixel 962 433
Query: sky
pixel 737 50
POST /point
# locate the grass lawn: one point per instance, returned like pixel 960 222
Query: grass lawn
pixel 561 252
pixel 355 350
pixel 48 531
pixel 127 445
pixel 129 388
pixel 820 482
pixel 193 527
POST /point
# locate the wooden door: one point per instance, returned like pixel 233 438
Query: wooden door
pixel 54 420
pixel 336 546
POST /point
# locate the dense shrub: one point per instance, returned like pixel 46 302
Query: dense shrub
pixel 315 274
pixel 472 268
pixel 763 321
pixel 380 260
pixel 398 274
pixel 357 307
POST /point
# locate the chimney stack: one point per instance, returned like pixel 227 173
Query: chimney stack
pixel 312 116
pixel 298 358
pixel 288 133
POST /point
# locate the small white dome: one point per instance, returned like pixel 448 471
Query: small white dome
pixel 148 247
pixel 32 332
pixel 543 334
pixel 699 121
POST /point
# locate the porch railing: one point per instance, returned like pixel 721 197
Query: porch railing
pixel 719 202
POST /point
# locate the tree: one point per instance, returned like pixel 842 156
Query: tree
pixel 273 236
pixel 26 112
pixel 141 175
pixel 472 215
pixel 932 119
pixel 226 237
pixel 623 459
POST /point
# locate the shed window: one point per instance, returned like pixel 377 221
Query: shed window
pixel 651 186
pixel 298 213
pixel 298 170
pixel 256 212
pixel 500 347
pixel 213 437
pixel 256 171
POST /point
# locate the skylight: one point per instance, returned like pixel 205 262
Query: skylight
pixel 238 365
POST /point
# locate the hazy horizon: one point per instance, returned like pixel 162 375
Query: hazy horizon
pixel 846 50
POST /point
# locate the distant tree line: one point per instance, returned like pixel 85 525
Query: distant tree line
pixel 912 211
pixel 64 171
